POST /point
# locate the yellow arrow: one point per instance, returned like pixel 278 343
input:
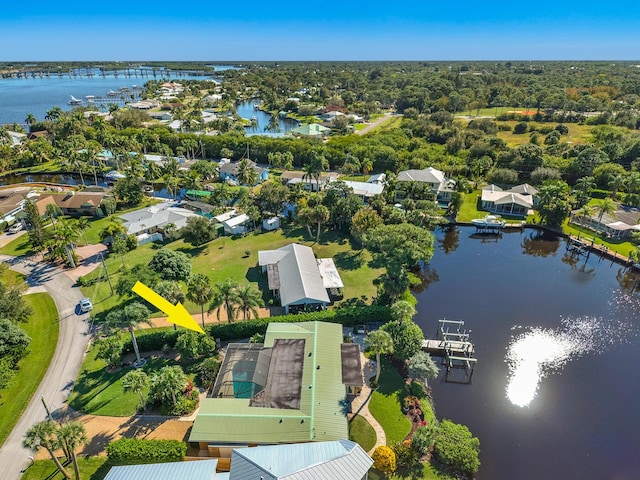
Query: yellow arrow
pixel 176 313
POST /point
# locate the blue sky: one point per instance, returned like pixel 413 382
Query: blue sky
pixel 287 30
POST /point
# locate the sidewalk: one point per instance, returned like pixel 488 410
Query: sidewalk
pixel 360 405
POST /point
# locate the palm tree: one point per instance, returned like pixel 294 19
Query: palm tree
pixel 169 382
pixel 72 435
pixel 607 206
pixel 379 342
pixel 247 175
pixel 200 291
pixel 225 293
pixel 402 311
pixel 274 123
pixel 43 435
pixel 30 120
pixel 83 225
pixel 136 380
pixel 321 216
pixel 615 183
pixel 130 317
pixel 151 174
pixel 249 299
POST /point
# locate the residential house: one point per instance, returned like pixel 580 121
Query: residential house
pixel 337 460
pixel 287 390
pixel 161 115
pixel 518 200
pixel 437 186
pixel 377 178
pixel 295 276
pixel 292 178
pixel 619 225
pixel 12 203
pixel 313 130
pixel 229 172
pixel 270 224
pixel 73 203
pixel 16 138
pixel 237 225
pixel 154 219
pixel 365 190
pixel 200 470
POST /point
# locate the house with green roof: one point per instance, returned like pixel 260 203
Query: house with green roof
pixel 312 130
pixel 291 389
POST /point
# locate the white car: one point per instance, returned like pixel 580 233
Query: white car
pixel 86 305
pixel 16 227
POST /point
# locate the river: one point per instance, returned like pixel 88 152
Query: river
pixel 248 110
pixel 21 96
pixel 555 390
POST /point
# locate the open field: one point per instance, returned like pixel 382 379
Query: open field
pixel 42 327
pixel 577 133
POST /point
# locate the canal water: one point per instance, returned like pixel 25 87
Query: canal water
pixel 556 388
pixel 247 110
pixel 21 96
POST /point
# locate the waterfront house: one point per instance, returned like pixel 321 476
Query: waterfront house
pixel 433 182
pixel 517 201
pixel 619 225
pixel 313 130
pixel 73 203
pixel 287 390
pixel 365 190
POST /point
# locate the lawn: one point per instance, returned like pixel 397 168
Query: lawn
pixel 43 328
pixel 91 468
pixel 18 246
pixel 226 257
pixel 423 471
pixel 385 404
pixel 99 392
pixel 577 133
pixel 361 432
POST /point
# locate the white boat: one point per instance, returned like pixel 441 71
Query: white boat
pixel 112 93
pixel 489 221
pixel 114 175
pixel 74 101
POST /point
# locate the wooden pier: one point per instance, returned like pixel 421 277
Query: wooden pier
pixel 586 246
pixel 453 343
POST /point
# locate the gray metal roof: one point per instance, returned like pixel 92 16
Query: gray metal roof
pixel 156 216
pixel 196 470
pixel 338 460
pixel 300 279
pixel 428 175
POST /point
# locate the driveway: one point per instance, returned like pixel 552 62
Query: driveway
pixel 58 381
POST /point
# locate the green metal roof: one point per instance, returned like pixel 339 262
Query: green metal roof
pixel 321 416
pixel 198 193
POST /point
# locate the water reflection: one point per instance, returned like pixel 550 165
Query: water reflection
pixel 450 241
pixel 427 276
pixel 540 244
pixel 539 352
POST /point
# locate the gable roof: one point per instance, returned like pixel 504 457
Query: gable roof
pixel 494 194
pixel 198 470
pixel 299 276
pixel 338 460
pixel 311 130
pixel 233 168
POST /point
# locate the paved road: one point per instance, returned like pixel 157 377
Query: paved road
pixel 65 364
pixel 375 124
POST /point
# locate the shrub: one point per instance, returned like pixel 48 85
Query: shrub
pixel 457 448
pixel 384 459
pixel 154 340
pixel 405 455
pixel 192 344
pixel 133 451
pixel 424 437
pixel 208 371
pixel 520 127
pixel 185 405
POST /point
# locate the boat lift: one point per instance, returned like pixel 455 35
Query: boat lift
pixel 453 343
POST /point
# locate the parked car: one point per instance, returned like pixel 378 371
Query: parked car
pixel 86 305
pixel 16 227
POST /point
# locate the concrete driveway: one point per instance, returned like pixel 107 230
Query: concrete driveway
pixel 65 364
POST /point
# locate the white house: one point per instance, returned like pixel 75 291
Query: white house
pixel 270 224
pixel 237 225
pixel 155 219
pixel 518 200
pixel 440 187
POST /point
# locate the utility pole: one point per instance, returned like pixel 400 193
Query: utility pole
pixel 107 272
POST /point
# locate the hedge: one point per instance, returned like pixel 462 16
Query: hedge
pixel 348 316
pixel 345 316
pixel 134 451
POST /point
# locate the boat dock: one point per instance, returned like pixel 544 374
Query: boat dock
pixel 453 343
pixel 586 246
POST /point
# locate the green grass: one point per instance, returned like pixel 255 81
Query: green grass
pixel 42 327
pixel 17 247
pixel 92 468
pixel 423 471
pixel 225 257
pixel 361 432
pixel 99 392
pixel 385 404
pixel 577 133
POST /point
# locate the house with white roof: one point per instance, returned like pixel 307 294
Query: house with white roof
pixel 155 218
pixel 365 190
pixel 338 460
pixel 237 225
pixel 619 224
pixel 439 187
pixel 298 279
pixel 518 200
